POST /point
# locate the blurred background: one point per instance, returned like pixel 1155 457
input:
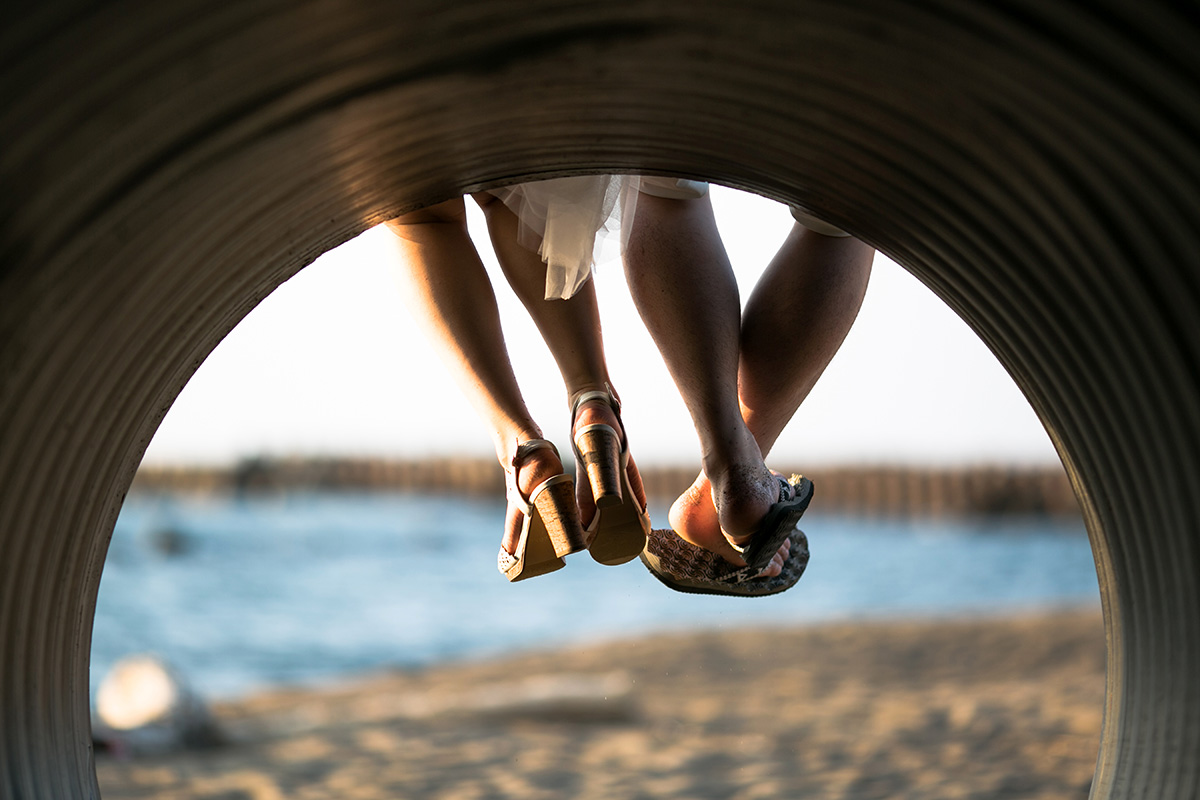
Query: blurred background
pixel 321 503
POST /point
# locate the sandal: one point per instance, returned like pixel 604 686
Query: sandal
pixel 684 567
pixel 550 527
pixel 617 533
pixel 687 568
pixel 780 521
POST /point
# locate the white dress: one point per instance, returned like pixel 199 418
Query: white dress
pixel 565 220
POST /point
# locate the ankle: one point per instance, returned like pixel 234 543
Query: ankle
pixel 535 467
pixel 577 389
pixel 601 407
pixel 507 440
pixel 742 496
pixel 596 412
pixel 727 458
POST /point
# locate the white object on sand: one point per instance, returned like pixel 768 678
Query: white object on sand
pixel 144 705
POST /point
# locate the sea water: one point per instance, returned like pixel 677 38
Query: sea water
pixel 245 593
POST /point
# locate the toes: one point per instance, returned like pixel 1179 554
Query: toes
pixel 777 561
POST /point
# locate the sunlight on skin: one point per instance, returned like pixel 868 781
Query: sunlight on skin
pixel 331 363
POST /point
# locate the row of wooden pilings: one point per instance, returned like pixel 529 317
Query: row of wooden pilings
pixel 863 490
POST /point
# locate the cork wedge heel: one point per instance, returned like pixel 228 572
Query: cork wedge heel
pixel 617 533
pixel 550 527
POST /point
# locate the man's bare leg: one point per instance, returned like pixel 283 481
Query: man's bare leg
pixel 797 317
pixel 684 289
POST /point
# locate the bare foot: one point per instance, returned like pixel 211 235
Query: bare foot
pixel 694 517
pixel 600 412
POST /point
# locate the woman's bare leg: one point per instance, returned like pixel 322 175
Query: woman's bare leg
pixel 453 300
pixel 794 322
pixel 571 329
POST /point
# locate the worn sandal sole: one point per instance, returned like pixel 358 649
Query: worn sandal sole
pixel 621 530
pixel 686 568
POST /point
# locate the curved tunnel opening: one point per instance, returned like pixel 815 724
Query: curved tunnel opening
pixel 1036 168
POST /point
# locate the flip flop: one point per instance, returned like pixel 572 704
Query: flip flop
pixel 686 568
pixel 794 496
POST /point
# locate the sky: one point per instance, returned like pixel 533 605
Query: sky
pixel 332 364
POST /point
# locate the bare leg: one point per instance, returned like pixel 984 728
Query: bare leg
pixel 684 288
pixel 796 319
pixel 571 329
pixel 453 300
pixel 803 306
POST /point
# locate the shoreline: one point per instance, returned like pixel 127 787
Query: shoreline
pixel 873 489
pixel 896 708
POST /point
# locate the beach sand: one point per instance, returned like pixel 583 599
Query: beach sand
pixel 948 709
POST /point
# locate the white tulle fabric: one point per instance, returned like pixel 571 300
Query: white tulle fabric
pixel 567 220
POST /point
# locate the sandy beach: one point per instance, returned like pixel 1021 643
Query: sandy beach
pixel 948 709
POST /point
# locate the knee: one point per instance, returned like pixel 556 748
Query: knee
pixel 490 205
pixel 485 200
pixel 450 212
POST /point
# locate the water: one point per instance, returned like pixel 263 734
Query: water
pixel 309 587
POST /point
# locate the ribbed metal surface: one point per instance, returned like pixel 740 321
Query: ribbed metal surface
pixel 165 165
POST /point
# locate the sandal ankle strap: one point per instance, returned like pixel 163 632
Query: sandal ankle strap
pixel 607 395
pixel 525 448
pixel 523 451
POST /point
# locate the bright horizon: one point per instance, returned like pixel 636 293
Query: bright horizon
pixel 331 364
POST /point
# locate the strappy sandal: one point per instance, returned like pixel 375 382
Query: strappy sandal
pixel 550 526
pixel 617 533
